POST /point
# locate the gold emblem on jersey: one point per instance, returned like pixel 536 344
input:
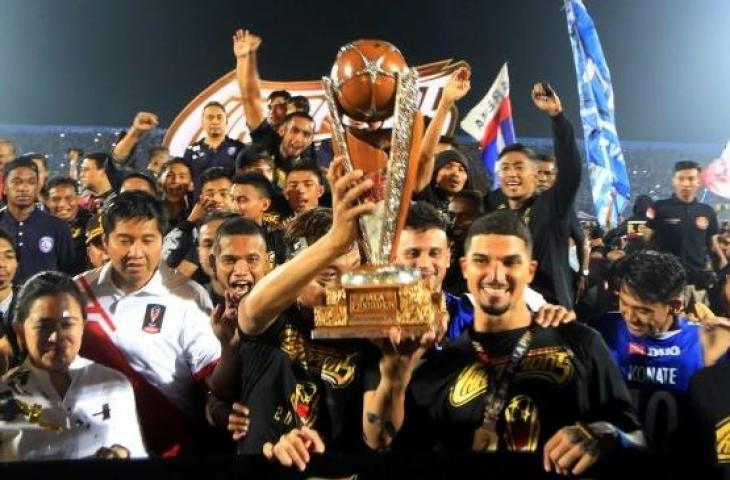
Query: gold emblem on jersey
pixel 305 403
pixel 722 436
pixel 554 364
pixel 522 424
pixel 471 383
pixel 333 366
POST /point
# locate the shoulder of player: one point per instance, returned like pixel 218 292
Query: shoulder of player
pixel 577 333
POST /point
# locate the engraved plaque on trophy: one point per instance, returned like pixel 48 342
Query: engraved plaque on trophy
pixel 371 84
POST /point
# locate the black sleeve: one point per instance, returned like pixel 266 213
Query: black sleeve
pixel 266 386
pixel 704 432
pixel 569 164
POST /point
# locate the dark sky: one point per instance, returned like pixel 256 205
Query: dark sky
pixel 95 62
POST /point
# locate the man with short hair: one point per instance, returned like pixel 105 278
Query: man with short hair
pixel 656 348
pixel 216 149
pixel 424 244
pixel 250 196
pixel 42 241
pixel 545 172
pixel 139 181
pixel 303 188
pixel 686 227
pixel 97 176
pixel 297 134
pixel 207 234
pixel 498 387
pixel 465 207
pixel 62 201
pixel 238 261
pixel 255 159
pixel 548 214
pixel 149 322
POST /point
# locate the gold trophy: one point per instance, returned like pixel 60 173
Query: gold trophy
pixel 371 83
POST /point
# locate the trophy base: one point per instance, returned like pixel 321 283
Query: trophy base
pixel 372 301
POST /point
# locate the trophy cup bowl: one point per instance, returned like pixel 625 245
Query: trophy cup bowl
pixel 371 82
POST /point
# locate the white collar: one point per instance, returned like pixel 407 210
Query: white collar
pixel 155 285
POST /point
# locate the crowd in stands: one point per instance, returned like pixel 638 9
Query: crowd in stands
pixel 167 309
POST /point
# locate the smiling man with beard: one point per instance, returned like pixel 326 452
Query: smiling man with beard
pixel 149 322
pixel 506 384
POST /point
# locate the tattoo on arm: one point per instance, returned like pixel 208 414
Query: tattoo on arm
pixel 388 430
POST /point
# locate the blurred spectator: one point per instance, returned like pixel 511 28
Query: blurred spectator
pixel 42 241
pixel 62 200
pixel 216 149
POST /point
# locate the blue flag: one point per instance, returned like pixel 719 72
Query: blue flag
pixel 606 166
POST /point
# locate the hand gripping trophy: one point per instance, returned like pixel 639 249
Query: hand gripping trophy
pixel 370 83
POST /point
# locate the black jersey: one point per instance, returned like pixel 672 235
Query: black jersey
pixel 567 375
pixel 290 381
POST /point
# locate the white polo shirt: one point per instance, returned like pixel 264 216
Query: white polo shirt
pixel 97 411
pixel 163 329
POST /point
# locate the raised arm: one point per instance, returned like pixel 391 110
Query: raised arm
pixel 567 157
pixel 143 123
pixel 458 85
pixel 280 288
pixel 245 45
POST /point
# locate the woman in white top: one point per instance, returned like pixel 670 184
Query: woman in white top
pixel 56 404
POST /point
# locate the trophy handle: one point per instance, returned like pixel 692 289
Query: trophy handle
pixel 403 164
pixel 413 165
pixel 340 147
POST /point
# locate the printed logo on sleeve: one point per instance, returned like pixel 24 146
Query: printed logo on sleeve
pixel 45 244
pixel 153 317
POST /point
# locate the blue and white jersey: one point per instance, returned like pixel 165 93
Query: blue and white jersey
pixel 657 370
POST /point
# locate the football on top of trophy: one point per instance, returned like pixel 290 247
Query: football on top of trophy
pixel 364 78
